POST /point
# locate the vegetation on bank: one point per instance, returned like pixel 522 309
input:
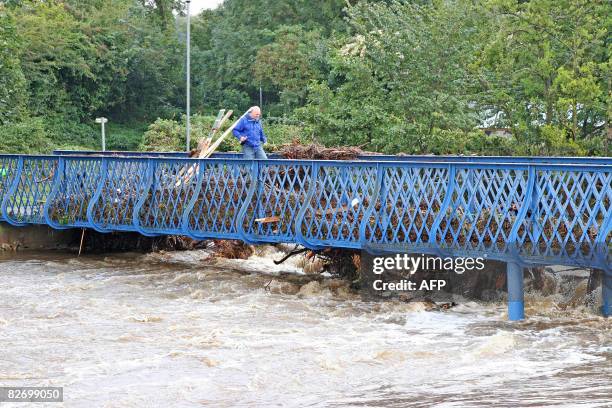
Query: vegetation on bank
pixel 391 76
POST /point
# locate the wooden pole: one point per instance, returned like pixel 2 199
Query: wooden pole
pixel 217 142
pixel 82 239
pixel 202 143
pixel 206 144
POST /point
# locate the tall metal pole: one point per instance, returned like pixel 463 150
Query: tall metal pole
pixel 188 122
pixel 103 138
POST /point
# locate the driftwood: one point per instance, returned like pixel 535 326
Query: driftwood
pixel 314 151
pixel 204 144
pixel 268 220
pixel 217 142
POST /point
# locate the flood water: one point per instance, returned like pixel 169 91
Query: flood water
pixel 172 330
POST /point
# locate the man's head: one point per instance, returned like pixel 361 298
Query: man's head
pixel 255 113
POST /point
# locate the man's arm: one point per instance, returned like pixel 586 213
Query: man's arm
pixel 239 129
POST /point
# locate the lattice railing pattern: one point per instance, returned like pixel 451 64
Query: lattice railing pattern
pixel 25 200
pixel 8 169
pixel 279 193
pixel 170 189
pixel 569 217
pixel 533 213
pixel 223 190
pixel 123 184
pixel 73 190
pixel 338 204
pixel 484 206
pixel 409 205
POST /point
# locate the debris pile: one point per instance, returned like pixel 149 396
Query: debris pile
pixel 315 151
pixel 232 249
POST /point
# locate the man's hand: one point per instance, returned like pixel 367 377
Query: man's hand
pixel 243 139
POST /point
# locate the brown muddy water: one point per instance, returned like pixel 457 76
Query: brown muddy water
pixel 172 330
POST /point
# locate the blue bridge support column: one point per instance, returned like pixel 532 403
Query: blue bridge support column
pixel 516 292
pixel 606 293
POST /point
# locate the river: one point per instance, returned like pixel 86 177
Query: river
pixel 173 330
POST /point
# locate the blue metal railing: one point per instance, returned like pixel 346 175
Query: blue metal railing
pixel 521 212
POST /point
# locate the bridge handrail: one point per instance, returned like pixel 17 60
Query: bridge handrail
pixel 533 213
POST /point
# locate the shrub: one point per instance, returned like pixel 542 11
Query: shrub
pixel 163 135
pixel 279 134
pixel 26 137
pixel 71 134
pixel 169 134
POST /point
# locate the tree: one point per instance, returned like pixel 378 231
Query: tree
pixel 70 65
pixel 548 65
pixel 12 81
pixel 406 70
pixel 289 64
pixel 226 43
pixel 163 9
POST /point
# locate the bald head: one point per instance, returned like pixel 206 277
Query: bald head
pixel 255 112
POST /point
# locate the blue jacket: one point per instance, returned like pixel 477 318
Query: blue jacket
pixel 252 129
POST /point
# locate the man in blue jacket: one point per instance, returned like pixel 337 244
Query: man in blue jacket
pixel 250 134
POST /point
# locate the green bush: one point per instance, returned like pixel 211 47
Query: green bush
pixel 596 146
pixel 163 135
pixel 279 134
pixel 489 145
pixel 28 136
pixel 66 134
pixel 169 134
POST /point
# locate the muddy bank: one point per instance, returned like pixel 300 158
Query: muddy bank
pixel 34 237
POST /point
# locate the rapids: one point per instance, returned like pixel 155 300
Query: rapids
pixel 179 330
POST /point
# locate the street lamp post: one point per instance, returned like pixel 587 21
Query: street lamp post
pixel 188 122
pixel 102 121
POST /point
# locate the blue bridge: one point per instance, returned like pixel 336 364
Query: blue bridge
pixel 520 210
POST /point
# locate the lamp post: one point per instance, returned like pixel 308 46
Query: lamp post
pixel 188 79
pixel 102 121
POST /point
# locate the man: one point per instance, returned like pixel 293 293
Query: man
pixel 250 134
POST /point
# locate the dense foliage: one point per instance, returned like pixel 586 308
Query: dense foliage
pixel 414 76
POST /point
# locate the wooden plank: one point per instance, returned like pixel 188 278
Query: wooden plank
pixel 217 142
pixel 268 220
pixel 206 143
pixel 203 146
